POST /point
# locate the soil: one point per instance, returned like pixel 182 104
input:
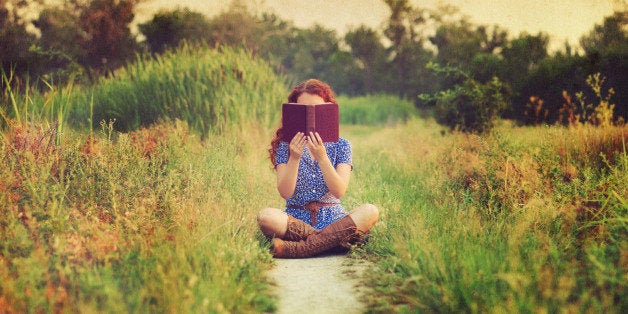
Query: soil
pixel 325 284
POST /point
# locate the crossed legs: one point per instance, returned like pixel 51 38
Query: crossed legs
pixel 301 240
pixel 273 222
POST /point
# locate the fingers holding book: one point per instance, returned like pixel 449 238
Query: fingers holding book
pixel 315 145
pixel 298 144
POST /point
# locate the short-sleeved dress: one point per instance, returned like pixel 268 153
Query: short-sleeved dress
pixel 311 184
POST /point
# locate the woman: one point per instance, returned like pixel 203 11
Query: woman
pixel 312 177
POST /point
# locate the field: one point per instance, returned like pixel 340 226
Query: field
pixel 155 211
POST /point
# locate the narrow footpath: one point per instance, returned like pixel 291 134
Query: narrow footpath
pixel 319 285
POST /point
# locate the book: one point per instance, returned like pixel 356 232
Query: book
pixel 321 118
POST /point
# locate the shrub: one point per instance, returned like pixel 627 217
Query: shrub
pixel 471 106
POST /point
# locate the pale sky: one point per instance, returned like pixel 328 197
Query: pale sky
pixel 563 20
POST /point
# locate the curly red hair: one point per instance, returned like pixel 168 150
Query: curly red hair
pixel 311 86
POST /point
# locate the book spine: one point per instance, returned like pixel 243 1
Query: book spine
pixel 310 125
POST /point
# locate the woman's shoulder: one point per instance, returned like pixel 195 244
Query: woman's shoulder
pixel 342 144
pixel 343 141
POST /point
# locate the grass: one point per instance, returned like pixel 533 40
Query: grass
pixel 150 221
pixel 209 89
pixel 524 220
pixel 161 218
pixel 375 110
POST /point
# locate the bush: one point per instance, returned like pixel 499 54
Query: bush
pixel 471 106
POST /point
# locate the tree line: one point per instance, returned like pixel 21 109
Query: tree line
pixel 436 54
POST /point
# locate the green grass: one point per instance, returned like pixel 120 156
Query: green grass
pixel 375 110
pixel 162 218
pixel 151 221
pixel 524 220
pixel 209 89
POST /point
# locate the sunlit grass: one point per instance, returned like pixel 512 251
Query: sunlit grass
pixel 148 221
pixel 524 220
pixel 375 110
pixel 210 89
pixel 162 218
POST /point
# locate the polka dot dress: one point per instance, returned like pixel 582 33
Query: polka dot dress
pixel 311 184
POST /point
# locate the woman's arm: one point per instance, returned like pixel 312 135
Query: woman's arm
pixel 287 173
pixel 336 179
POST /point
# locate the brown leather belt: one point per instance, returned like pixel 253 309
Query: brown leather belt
pixel 313 208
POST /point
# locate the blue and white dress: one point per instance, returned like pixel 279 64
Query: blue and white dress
pixel 311 184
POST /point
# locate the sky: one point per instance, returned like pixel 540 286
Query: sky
pixel 563 20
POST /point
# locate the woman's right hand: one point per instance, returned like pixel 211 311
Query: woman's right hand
pixel 287 173
pixel 297 145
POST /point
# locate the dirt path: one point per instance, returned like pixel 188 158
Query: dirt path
pixel 327 284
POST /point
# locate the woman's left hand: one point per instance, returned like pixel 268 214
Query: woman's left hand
pixel 316 147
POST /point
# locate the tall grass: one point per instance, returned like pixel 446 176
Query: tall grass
pixel 524 220
pixel 150 221
pixel 49 104
pixel 155 220
pixel 208 88
pixel 375 110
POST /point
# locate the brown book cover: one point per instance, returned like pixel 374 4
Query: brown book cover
pixel 321 118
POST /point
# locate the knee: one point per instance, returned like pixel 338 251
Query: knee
pixel 265 217
pixel 365 216
pixel 371 211
pixel 269 221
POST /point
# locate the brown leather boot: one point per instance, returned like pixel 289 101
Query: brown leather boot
pixel 328 238
pixel 297 230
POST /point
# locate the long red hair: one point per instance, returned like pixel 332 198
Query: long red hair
pixel 311 86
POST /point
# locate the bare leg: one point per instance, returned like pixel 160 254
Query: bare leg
pixel 273 222
pixel 365 217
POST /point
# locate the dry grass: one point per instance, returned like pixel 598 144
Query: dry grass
pixel 526 219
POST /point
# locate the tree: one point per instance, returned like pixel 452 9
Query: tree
pixel 366 46
pixel 555 77
pixel 60 40
pixel 15 55
pixel 108 43
pixel 317 54
pixel 610 36
pixel 235 27
pixel 471 48
pixel 167 29
pixel 521 56
pixel 606 50
pixel 408 54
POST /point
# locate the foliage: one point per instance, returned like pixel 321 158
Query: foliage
pixel 109 42
pixel 150 221
pixel 366 46
pixel 209 89
pixel 573 113
pixel 407 54
pixel 375 110
pixel 610 36
pixel 83 40
pixel 14 52
pixel 565 72
pixel 469 107
pixel 157 220
pixel 53 106
pixel 528 219
pixel 168 29
pixel 60 43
